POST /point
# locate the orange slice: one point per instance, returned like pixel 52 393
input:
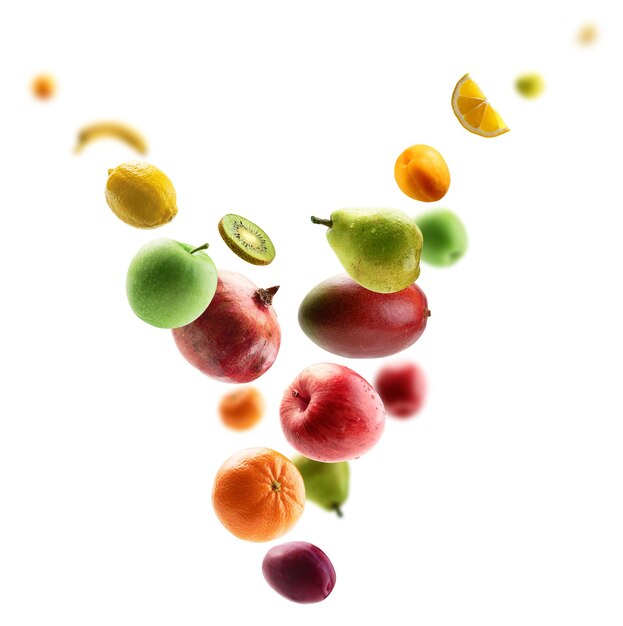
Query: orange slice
pixel 473 110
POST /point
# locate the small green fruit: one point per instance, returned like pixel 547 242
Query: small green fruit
pixel 445 237
pixel 530 85
pixel 170 284
pixel 326 484
pixel 379 248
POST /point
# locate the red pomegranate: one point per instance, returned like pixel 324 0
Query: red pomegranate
pixel 236 339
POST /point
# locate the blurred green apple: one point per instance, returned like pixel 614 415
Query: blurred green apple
pixel 445 237
pixel 530 85
pixel 170 284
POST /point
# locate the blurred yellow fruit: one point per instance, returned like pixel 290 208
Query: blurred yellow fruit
pixel 43 86
pixel 110 130
pixel 530 85
pixel 474 111
pixel 587 34
pixel 141 195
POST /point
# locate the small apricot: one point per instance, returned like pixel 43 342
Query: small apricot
pixel 43 86
pixel 242 408
pixel 422 173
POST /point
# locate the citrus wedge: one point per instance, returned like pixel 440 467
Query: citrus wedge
pixel 473 110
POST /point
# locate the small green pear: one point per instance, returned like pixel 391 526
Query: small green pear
pixel 326 484
pixel 379 248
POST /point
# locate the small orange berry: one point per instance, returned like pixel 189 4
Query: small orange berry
pixel 241 408
pixel 44 86
pixel 422 173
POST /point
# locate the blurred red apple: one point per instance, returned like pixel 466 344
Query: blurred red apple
pixel 330 413
pixel 402 387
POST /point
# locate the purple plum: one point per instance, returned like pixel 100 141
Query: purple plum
pixel 299 571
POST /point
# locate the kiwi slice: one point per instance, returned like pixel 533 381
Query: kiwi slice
pixel 246 239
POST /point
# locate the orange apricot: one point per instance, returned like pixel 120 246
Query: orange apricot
pixel 241 408
pixel 422 173
pixel 43 86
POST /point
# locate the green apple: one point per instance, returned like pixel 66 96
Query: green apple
pixel 169 283
pixel 445 237
pixel 530 85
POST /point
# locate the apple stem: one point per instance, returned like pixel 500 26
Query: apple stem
pixel 336 508
pixel 317 220
pixel 203 247
pixel 427 313
pixel 266 295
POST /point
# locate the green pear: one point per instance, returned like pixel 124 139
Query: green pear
pixel 379 248
pixel 326 484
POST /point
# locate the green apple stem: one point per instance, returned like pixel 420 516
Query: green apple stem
pixel 266 295
pixel 317 220
pixel 336 507
pixel 203 247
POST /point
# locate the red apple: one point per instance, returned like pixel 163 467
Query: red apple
pixel 402 387
pixel 330 413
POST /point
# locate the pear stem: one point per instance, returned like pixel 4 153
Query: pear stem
pixel 336 508
pixel 266 295
pixel 203 247
pixel 317 220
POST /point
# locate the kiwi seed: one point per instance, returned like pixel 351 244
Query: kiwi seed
pixel 246 239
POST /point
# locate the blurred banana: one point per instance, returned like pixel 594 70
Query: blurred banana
pixel 115 130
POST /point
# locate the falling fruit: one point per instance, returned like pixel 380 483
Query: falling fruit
pixel 379 248
pixel 110 130
pixel 170 284
pixel 141 195
pixel 473 110
pixel 402 387
pixel 237 338
pixel 349 320
pixel 258 494
pixel 299 571
pixel 326 484
pixel 530 85
pixel 44 86
pixel 330 413
pixel 422 173
pixel 587 34
pixel 445 237
pixel 246 239
pixel 241 408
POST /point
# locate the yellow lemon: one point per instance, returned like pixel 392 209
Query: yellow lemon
pixel 473 110
pixel 141 195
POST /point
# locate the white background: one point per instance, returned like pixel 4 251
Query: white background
pixel 500 504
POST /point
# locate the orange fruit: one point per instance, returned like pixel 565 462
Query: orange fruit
pixel 421 173
pixel 43 86
pixel 241 408
pixel 258 494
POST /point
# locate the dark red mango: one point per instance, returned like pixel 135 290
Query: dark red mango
pixel 349 320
